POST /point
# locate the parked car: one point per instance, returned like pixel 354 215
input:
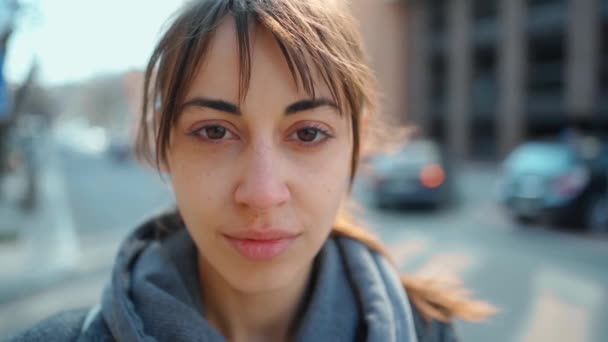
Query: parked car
pixel 558 182
pixel 120 149
pixel 416 174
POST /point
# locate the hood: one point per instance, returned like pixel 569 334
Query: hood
pixel 154 294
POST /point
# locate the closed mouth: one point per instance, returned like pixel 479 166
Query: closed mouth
pixel 261 245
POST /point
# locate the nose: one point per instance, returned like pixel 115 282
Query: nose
pixel 262 186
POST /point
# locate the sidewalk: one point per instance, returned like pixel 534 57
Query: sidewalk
pixel 40 247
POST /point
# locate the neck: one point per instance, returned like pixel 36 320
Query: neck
pixel 240 316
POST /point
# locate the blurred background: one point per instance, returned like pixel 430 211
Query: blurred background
pixel 505 183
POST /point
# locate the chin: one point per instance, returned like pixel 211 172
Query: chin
pixel 262 278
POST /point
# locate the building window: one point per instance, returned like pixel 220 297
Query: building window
pixel 545 17
pixel 485 9
pixel 603 64
pixel 438 95
pixel 546 48
pixel 438 17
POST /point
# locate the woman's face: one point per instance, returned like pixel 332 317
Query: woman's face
pixel 258 184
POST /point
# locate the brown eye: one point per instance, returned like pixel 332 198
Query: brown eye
pixel 313 135
pixel 308 134
pixel 214 132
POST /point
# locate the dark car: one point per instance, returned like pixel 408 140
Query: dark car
pixel 120 149
pixel 558 182
pixel 415 174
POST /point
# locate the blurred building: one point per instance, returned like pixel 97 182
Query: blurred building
pixel 133 82
pixel 482 75
pixel 383 25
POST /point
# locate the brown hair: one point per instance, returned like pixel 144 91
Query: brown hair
pixel 315 36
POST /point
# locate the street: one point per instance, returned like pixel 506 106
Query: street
pixel 550 285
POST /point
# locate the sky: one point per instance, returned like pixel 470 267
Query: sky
pixel 77 39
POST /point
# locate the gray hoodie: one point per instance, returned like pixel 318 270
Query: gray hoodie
pixel 354 295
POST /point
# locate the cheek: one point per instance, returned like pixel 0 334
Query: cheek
pixel 327 181
pixel 321 185
pixel 201 187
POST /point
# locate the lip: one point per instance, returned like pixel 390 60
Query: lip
pixel 261 245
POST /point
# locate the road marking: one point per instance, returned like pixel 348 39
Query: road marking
pixel 557 321
pixel 563 308
pixel 67 246
pixel 404 251
pixel 447 265
pixel 51 234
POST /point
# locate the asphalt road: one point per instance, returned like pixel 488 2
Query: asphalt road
pixel 107 196
pixel 550 285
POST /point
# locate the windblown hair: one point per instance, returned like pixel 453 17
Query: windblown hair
pixel 317 38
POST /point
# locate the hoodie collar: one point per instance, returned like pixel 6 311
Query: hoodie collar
pixel 154 293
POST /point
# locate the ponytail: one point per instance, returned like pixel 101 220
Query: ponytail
pixel 435 299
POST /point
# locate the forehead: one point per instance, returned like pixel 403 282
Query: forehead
pixel 223 64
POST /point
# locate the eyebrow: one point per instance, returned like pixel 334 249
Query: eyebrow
pixel 219 105
pixel 309 104
pixel 231 108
